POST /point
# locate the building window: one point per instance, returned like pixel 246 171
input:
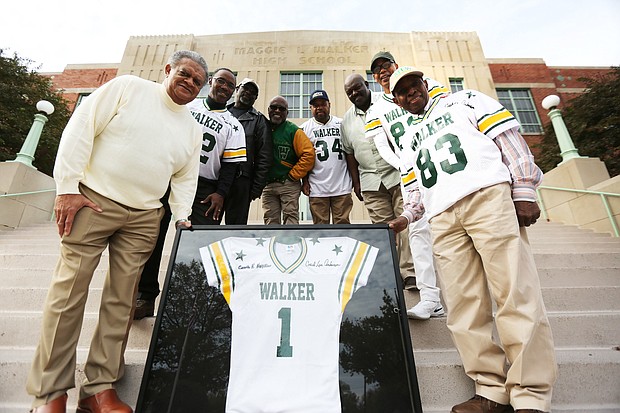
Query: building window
pixel 372 85
pixel 80 98
pixel 296 89
pixel 519 102
pixel 456 84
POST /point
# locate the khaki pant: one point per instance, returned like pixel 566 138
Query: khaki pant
pixel 281 202
pixel 383 206
pixel 339 207
pixel 482 255
pixel 130 235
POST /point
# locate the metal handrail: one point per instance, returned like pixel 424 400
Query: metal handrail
pixel 603 196
pixel 28 193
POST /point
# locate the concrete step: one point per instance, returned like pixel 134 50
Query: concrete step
pixel 592 298
pixel 41 277
pixel 585 378
pixel 609 259
pixel 549 277
pixel 581 329
pixel 578 277
pixel 24 329
pixel 440 374
pixel 15 366
pixel 544 259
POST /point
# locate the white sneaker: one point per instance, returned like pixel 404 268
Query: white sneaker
pixel 425 310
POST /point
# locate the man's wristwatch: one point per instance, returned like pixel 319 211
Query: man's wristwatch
pixel 180 221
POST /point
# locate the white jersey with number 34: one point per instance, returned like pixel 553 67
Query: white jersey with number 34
pixel 330 176
pixel 287 298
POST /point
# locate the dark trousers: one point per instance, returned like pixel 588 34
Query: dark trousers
pixel 237 203
pixel 148 288
pixel 205 188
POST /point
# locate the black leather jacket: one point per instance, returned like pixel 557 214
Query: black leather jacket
pixel 258 147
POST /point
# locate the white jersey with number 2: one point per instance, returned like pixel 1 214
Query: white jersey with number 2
pixel 287 297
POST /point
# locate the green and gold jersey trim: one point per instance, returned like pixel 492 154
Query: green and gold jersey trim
pixel 352 272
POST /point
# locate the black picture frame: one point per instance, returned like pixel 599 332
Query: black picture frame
pixel 188 362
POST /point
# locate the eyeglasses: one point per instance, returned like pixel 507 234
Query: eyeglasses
pixel 223 82
pixel 385 65
pixel 277 108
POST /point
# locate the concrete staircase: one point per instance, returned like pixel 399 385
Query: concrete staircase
pixel 580 276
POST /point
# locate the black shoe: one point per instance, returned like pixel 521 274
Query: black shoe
pixel 144 308
pixel 409 283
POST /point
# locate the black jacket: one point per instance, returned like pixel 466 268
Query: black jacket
pixel 258 147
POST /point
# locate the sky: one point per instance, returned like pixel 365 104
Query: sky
pixel 561 32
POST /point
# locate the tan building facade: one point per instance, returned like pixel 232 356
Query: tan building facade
pixel 330 56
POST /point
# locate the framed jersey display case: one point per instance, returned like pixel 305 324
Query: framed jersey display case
pixel 298 318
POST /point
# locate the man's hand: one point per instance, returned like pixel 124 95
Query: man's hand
pixel 398 224
pixel 217 203
pixel 305 187
pixel 358 191
pixel 183 224
pixel 527 212
pixel 65 208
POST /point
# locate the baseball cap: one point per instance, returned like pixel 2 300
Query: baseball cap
pixel 247 80
pixel 382 55
pixel 318 94
pixel 402 72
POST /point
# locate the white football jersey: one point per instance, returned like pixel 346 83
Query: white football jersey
pixel 223 138
pixel 287 296
pixel 330 176
pixel 385 115
pixel 450 148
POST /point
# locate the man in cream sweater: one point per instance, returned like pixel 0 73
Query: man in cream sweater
pixel 119 152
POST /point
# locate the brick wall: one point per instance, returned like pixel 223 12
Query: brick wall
pixel 542 81
pixel 80 79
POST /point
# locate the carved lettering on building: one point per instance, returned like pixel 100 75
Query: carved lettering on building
pixel 319 60
pixel 265 61
pixel 272 54
pixel 260 50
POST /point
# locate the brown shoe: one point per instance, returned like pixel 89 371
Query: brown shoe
pixel 58 405
pixel 144 308
pixel 479 404
pixel 103 402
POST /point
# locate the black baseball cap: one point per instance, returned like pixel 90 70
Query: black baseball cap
pixel 381 55
pixel 318 94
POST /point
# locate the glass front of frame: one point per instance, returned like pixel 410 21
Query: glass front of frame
pixel 297 319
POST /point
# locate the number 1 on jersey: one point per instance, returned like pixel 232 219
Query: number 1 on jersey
pixel 285 349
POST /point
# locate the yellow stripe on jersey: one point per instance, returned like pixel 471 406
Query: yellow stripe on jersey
pixel 438 90
pixel 234 153
pixel 372 124
pixel 223 270
pixel 408 177
pixel 490 121
pixel 352 273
